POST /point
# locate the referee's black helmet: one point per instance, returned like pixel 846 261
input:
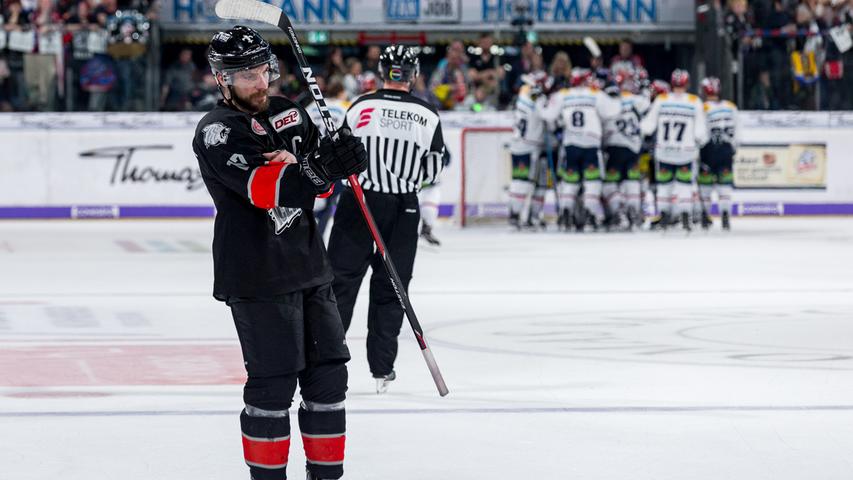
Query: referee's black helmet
pixel 399 63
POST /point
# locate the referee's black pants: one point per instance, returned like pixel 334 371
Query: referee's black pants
pixel 351 250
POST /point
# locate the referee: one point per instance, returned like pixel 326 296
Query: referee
pixel 402 136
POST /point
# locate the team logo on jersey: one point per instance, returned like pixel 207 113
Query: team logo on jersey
pixel 215 134
pixel 257 128
pixel 286 119
pixel 364 117
pixel 283 217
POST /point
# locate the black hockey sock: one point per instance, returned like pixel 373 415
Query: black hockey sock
pixel 323 430
pixel 266 443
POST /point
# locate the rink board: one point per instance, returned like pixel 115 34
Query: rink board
pixel 138 165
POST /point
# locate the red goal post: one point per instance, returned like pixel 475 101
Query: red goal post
pixel 487 148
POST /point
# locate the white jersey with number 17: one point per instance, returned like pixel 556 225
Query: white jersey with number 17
pixel 679 119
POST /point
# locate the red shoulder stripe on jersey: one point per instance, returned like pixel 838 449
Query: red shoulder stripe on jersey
pixel 329 193
pixel 264 183
pixel 266 452
pixel 324 449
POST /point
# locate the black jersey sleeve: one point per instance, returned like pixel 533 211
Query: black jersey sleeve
pixel 236 160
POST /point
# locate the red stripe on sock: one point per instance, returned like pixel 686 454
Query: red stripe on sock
pixel 266 453
pixel 324 449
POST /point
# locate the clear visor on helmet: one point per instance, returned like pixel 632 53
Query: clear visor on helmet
pixel 247 77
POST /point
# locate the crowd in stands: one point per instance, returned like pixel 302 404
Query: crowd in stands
pixel 796 53
pixel 102 43
pixel 90 55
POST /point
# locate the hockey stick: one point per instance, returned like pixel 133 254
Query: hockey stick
pixel 552 171
pixel 266 13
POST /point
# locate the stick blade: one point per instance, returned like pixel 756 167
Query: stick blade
pixel 592 46
pixel 248 10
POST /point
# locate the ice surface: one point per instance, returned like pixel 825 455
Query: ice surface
pixel 625 356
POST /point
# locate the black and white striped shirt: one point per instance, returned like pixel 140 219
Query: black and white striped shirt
pixel 403 139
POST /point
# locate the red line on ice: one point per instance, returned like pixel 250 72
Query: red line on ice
pixel 104 365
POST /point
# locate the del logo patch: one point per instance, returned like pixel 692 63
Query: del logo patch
pixel 286 119
pixel 257 128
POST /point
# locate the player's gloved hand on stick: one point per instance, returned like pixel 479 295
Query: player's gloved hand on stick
pixel 342 157
pixel 314 172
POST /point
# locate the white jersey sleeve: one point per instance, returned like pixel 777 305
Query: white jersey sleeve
pixel 722 118
pixel 337 110
pixel 528 123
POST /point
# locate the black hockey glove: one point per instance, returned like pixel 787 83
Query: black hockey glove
pixel 315 174
pixel 341 158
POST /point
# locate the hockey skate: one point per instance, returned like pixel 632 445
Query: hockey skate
pixel 706 220
pixel 635 218
pixel 564 221
pixel 383 381
pixel 514 220
pixel 725 221
pixel 685 222
pixel 426 234
pixel 661 222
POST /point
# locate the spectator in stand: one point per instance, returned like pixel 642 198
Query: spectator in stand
pixel 79 24
pixel 40 66
pixel 449 81
pixel 482 99
pixel 179 82
pixel 486 68
pixel 773 58
pixel 762 97
pixel 289 86
pixel 350 80
pixel 560 70
pixel 522 65
pixel 206 94
pixel 371 60
pixel 104 10
pixel 626 59
pixel 421 91
pixel 81 17
pixel 335 67
pixel 838 93
pixel 16 19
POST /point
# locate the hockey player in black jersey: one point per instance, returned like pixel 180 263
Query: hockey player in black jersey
pixel 263 163
pixel 402 134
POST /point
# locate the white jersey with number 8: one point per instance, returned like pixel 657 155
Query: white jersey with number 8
pixel 679 119
pixel 581 111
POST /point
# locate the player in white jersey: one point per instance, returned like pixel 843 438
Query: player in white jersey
pixel 679 120
pixel 338 104
pixel 717 156
pixel 622 144
pixel 429 199
pixel 581 110
pixel 526 145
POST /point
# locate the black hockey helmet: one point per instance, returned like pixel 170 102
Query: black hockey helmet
pixel 240 48
pixel 399 63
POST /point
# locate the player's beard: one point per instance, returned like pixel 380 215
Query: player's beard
pixel 254 103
